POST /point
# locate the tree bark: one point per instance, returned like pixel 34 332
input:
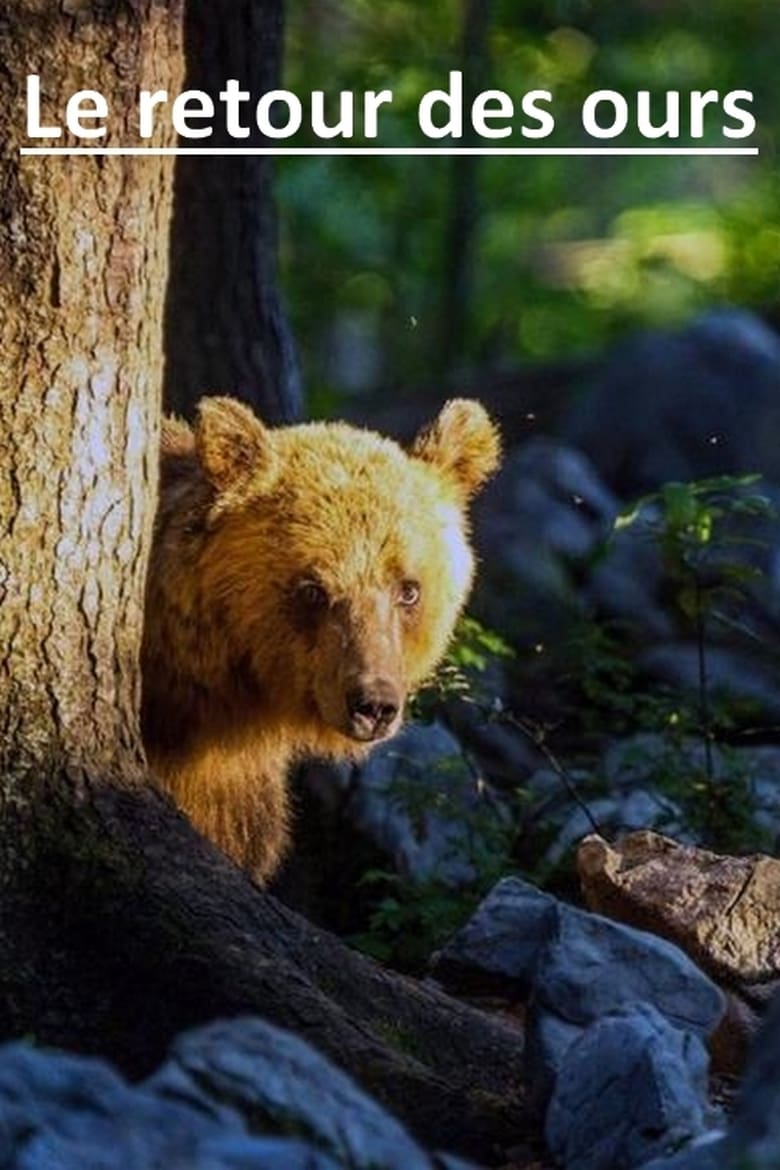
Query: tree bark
pixel 83 267
pixel 167 933
pixel 463 217
pixel 226 327
pixel 83 263
pixel 120 925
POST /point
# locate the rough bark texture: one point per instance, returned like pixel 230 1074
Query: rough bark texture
pixel 83 268
pixel 226 328
pixel 83 261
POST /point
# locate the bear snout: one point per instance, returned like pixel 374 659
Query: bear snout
pixel 374 707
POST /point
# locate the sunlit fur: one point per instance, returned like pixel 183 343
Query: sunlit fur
pixel 240 677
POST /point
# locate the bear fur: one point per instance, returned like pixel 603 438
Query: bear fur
pixel 303 580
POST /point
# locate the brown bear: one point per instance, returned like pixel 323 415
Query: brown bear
pixel 303 580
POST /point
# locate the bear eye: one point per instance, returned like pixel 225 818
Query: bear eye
pixel 312 595
pixel 409 594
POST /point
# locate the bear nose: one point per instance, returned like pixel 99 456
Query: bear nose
pixel 372 708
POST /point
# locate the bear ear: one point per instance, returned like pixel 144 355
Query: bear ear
pixel 233 446
pixel 463 443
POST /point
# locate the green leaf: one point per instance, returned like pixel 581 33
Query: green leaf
pixel 680 507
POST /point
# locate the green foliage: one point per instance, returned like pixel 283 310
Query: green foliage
pixel 413 916
pixel 696 519
pixel 689 759
pixel 473 646
pixel 604 674
pixel 700 529
pixel 566 252
pixel 465 669
pixel 703 532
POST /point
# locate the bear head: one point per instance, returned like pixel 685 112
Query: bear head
pixel 339 561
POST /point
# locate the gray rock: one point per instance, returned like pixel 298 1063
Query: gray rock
pixel 546 509
pixel 502 941
pixel 60 1112
pixel 411 799
pixel 709 395
pixel 630 1088
pixel 753 1140
pixel 623 812
pixel 636 761
pixel 252 1153
pixel 579 965
pixel 278 1083
pixel 547 1040
pixel 591 971
pixel 591 966
pixel 625 584
pixel 756 1125
pixel 577 969
pixel 735 673
pixel 705 1153
pixel 53 1152
pixel 221 1084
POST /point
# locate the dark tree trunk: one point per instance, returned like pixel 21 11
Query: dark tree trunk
pixel 464 191
pixel 160 932
pixel 83 266
pixel 226 330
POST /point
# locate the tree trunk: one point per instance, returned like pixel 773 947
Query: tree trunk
pixel 83 266
pixel 464 192
pixel 120 925
pixel 226 327
pixel 172 934
pixel 83 260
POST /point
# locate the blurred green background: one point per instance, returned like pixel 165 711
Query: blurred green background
pixel 402 272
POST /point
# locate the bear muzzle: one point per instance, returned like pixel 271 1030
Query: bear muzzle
pixel 373 709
